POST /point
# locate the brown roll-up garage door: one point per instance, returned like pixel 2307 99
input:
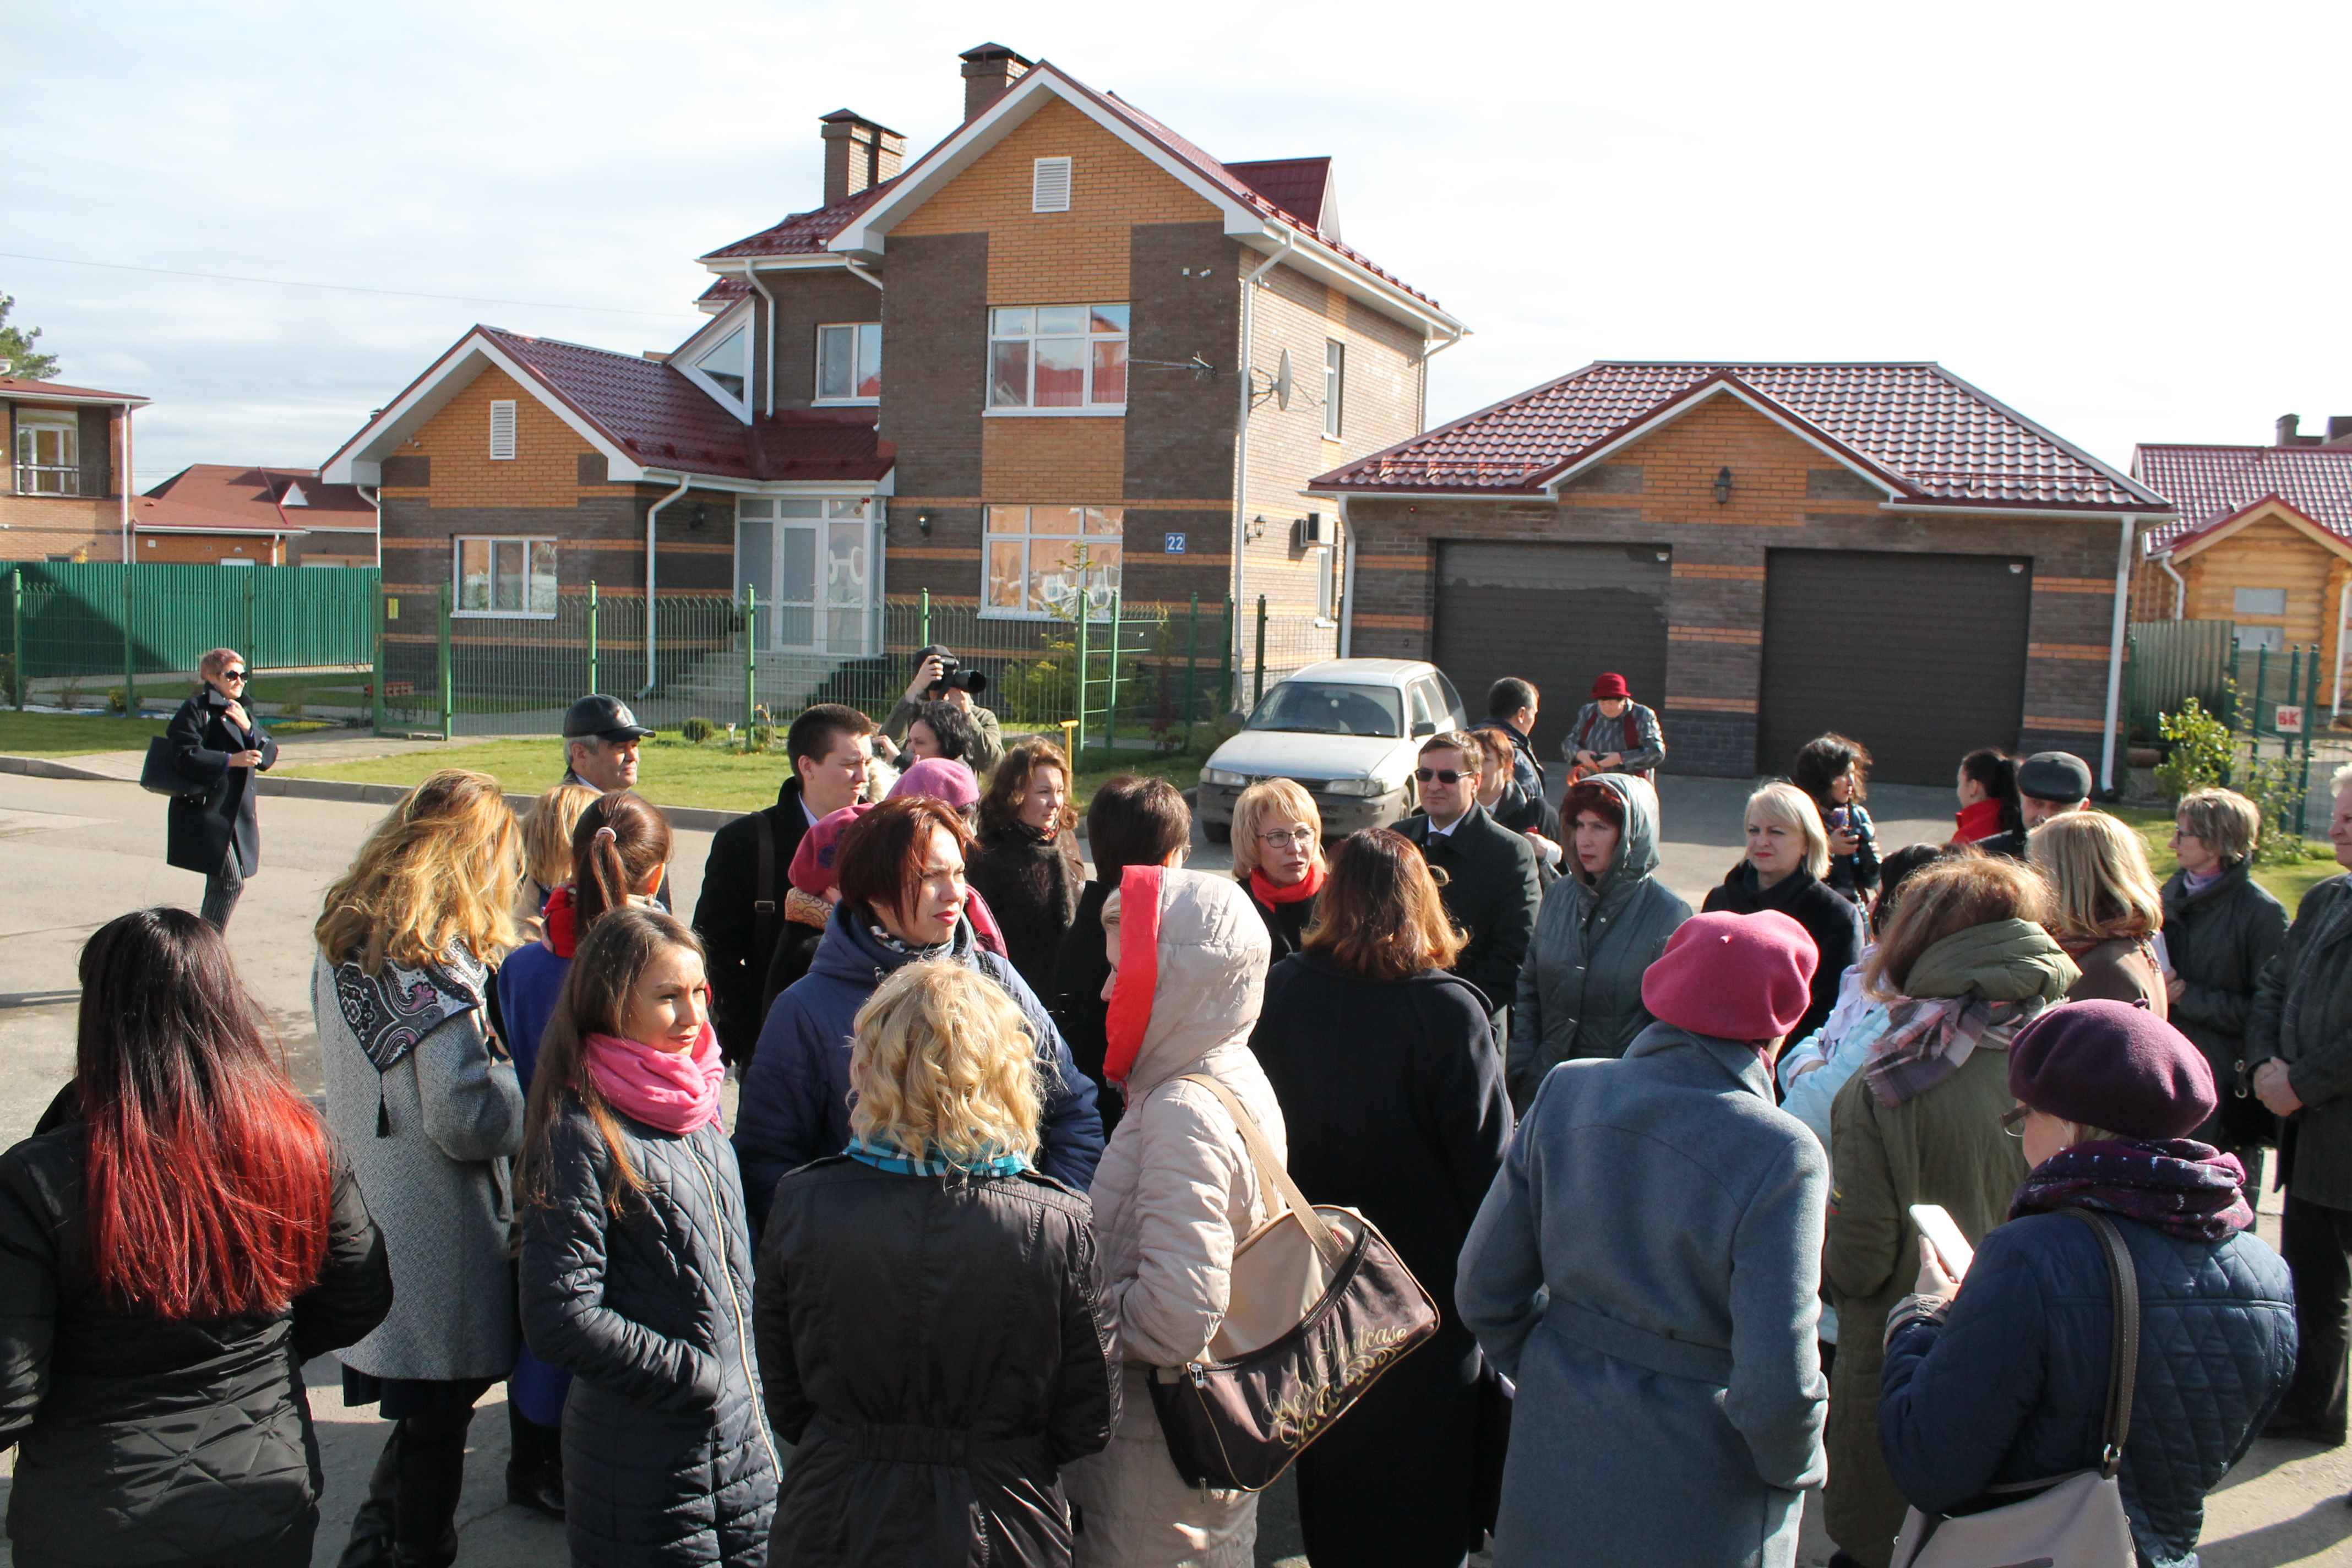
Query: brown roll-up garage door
pixel 1920 657
pixel 1558 614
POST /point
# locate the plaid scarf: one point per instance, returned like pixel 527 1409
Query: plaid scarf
pixel 884 1155
pixel 1929 1037
pixel 2182 1188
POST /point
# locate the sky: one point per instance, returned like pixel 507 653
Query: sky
pixel 2123 220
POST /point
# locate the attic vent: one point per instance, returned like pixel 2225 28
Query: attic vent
pixel 502 427
pixel 1049 186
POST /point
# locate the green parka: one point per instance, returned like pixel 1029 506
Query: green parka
pixel 1580 991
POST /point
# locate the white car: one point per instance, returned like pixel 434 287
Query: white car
pixel 1348 730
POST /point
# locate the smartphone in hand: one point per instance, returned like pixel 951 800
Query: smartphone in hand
pixel 1943 1234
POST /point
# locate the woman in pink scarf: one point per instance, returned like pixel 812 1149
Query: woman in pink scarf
pixel 637 1267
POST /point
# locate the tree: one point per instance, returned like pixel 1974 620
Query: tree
pixel 17 356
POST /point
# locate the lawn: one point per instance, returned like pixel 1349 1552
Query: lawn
pixel 672 772
pixel 71 734
pixel 2287 884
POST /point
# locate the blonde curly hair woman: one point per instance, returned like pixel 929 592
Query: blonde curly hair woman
pixel 932 1230
pixel 431 1116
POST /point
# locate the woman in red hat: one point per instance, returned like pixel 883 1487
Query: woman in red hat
pixel 1646 1268
pixel 1614 734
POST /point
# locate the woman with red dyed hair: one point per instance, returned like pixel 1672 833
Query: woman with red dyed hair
pixel 180 1236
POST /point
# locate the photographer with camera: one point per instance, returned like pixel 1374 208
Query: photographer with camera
pixel 939 677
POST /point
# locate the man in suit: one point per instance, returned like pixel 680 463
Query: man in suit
pixel 741 913
pixel 1490 887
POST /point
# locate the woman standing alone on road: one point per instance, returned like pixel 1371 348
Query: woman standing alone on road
pixel 216 744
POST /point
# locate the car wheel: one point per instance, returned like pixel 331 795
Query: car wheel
pixel 1218 832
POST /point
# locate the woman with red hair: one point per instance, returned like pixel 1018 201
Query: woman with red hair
pixel 176 1239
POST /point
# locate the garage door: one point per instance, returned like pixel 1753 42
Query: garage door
pixel 1920 657
pixel 1558 614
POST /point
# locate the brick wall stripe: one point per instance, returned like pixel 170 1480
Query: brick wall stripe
pixel 1713 634
pixel 2075 650
pixel 2071 726
pixel 1732 574
pixel 2073 585
pixel 1392 563
pixel 1395 623
pixel 1713 704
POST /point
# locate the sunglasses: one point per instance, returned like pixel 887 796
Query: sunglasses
pixel 1440 776
pixel 232 675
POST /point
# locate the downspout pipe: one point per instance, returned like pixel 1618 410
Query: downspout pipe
pixel 2116 651
pixel 1422 419
pixel 375 500
pixel 1241 430
pixel 2180 586
pixel 2343 614
pixel 1347 582
pixel 129 476
pixel 751 275
pixel 652 515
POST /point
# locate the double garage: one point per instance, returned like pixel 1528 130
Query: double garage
pixel 1919 655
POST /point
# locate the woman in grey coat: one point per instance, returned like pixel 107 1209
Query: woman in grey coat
pixel 1647 1268
pixel 431 1115
pixel 1600 927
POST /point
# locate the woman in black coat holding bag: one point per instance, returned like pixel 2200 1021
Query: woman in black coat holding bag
pixel 215 745
pixel 1392 1097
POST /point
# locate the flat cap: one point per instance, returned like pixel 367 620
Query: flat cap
pixel 2054 776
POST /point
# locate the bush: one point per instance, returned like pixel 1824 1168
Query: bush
pixel 8 679
pixel 2201 751
pixel 763 737
pixel 2275 785
pixel 697 730
pixel 115 701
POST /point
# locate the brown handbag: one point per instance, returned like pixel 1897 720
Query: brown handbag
pixel 1322 1307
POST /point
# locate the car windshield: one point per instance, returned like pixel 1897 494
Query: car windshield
pixel 1328 708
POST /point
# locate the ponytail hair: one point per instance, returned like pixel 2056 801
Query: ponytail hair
pixel 618 844
pixel 1997 771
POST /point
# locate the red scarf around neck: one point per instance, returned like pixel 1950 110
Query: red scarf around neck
pixel 1981 820
pixel 1298 892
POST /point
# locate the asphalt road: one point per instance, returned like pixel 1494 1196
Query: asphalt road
pixel 73 855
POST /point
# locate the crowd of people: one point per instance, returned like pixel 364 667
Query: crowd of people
pixel 1813 1188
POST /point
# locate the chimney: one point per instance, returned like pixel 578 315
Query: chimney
pixel 858 154
pixel 2289 426
pixel 2340 429
pixel 988 70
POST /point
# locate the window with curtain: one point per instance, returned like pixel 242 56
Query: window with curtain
pixel 508 577
pixel 1057 356
pixel 1037 560
pixel 849 361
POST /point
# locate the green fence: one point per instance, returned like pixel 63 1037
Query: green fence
pixel 1132 672
pixel 61 621
pixel 2171 661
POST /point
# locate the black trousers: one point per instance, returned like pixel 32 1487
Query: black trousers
pixel 2316 1242
pixel 222 891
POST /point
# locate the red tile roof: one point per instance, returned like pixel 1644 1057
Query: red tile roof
pixel 16 386
pixel 1931 435
pixel 803 234
pixel 2211 484
pixel 665 421
pixel 1296 185
pixel 239 496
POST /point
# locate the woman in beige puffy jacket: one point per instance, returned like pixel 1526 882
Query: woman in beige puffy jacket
pixel 1174 1194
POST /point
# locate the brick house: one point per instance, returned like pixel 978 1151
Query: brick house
pixel 1764 552
pixel 1113 364
pixel 224 513
pixel 2263 539
pixel 69 493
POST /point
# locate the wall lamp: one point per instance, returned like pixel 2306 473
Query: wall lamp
pixel 1723 486
pixel 700 516
pixel 1254 531
pixel 923 520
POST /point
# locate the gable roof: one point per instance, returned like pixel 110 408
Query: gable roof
pixel 642 414
pixel 1302 187
pixel 2267 509
pixel 801 234
pixel 22 390
pixel 2211 484
pixel 255 499
pixel 1914 428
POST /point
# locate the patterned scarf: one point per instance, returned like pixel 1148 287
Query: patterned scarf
pixel 392 1012
pixel 1929 1037
pixel 885 1154
pixel 2182 1188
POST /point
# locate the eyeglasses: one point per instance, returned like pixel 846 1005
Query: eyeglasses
pixel 232 675
pixel 1440 776
pixel 2012 1121
pixel 1302 836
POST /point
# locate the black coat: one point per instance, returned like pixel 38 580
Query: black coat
pixel 738 938
pixel 666 1459
pixel 1833 923
pixel 1032 884
pixel 1285 925
pixel 2218 939
pixel 1491 892
pixel 1080 972
pixel 935 1347
pixel 1393 1104
pixel 199 829
pixel 151 1442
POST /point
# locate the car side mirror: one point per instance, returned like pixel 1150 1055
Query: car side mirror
pixel 1424 727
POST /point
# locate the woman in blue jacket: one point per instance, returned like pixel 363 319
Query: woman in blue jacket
pixel 2002 1378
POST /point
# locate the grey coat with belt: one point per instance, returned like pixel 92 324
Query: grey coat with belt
pixel 1580 985
pixel 1645 1268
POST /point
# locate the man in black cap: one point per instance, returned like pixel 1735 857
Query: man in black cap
pixel 936 681
pixel 2052 784
pixel 599 744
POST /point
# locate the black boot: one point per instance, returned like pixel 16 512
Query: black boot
pixel 534 1463
pixel 371 1542
pixel 431 1477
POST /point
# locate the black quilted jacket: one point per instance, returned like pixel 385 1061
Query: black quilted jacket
pixel 667 1457
pixel 151 1442
pixel 2013 1385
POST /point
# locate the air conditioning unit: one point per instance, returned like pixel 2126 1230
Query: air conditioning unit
pixel 1312 530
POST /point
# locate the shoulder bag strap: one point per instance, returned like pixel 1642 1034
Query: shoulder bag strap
pixel 1270 1172
pixel 2123 1364
pixel 764 895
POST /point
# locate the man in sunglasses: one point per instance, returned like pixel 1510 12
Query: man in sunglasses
pixel 215 745
pixel 1489 883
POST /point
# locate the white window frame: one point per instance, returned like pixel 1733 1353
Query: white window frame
pixel 526 541
pixel 504 433
pixel 28 470
pixel 705 344
pixel 859 336
pixel 1334 387
pixel 1009 325
pixel 1098 527
pixel 1051 184
pixel 843 535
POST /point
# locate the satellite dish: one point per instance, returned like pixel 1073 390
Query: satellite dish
pixel 1282 381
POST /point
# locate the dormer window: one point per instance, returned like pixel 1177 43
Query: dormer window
pixel 849 363
pixel 727 366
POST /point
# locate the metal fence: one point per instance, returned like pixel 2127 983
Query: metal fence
pixel 62 622
pixel 1131 672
